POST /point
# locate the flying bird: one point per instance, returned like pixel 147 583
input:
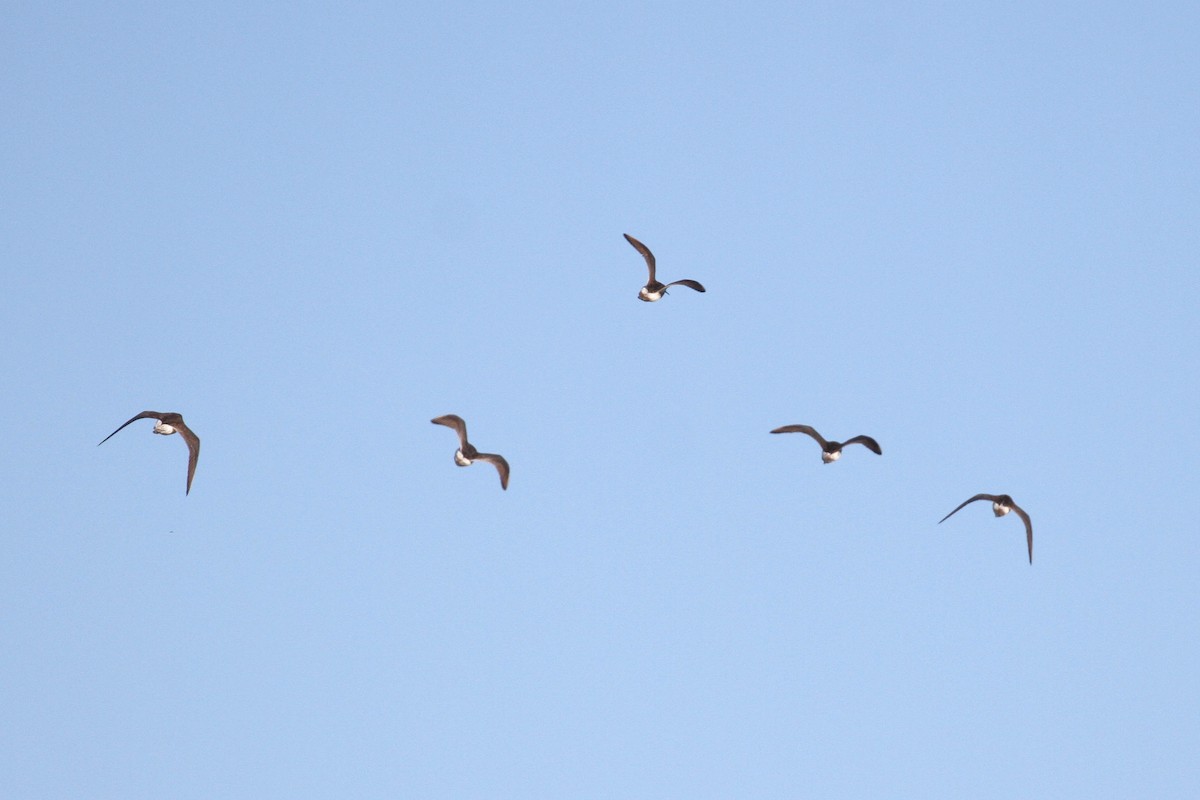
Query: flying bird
pixel 831 451
pixel 169 422
pixel 1001 505
pixel 653 290
pixel 466 454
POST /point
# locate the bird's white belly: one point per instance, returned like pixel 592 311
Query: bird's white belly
pixel 652 296
pixel 460 459
pixel 828 457
pixel 164 429
pixel 1000 510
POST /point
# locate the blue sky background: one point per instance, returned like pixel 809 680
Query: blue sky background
pixel 968 230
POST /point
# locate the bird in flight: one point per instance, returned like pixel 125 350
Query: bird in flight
pixel 466 454
pixel 1001 505
pixel 653 290
pixel 169 422
pixel 831 451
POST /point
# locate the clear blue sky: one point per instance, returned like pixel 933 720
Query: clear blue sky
pixel 968 230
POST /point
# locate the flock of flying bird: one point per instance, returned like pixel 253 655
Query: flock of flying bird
pixel 169 422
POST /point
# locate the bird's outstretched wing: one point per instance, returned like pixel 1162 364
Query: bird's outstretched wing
pixel 865 441
pixel 809 429
pixel 456 422
pixel 143 415
pixel 1028 527
pixel 646 254
pixel 501 466
pixel 193 443
pixel 686 282
pixel 991 497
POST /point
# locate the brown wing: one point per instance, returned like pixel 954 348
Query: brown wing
pixel 646 254
pixel 688 283
pixel 193 443
pixel 143 415
pixel 456 422
pixel 865 441
pixel 803 429
pixel 991 497
pixel 501 466
pixel 1028 527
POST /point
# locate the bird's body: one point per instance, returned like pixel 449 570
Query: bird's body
pixel 1001 505
pixel 167 423
pixel 467 454
pixel 653 291
pixel 831 451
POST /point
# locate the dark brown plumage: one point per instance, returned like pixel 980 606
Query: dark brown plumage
pixel 831 451
pixel 170 422
pixel 466 453
pixel 1001 505
pixel 653 290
